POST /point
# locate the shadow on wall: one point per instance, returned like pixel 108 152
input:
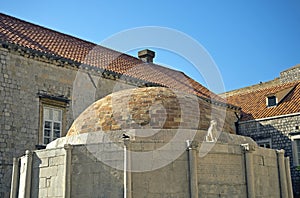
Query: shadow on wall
pixel 266 135
pixel 6 168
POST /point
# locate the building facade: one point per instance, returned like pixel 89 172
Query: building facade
pixel 271 116
pixel 48 78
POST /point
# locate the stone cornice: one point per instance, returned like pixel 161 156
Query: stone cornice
pixel 38 55
pixel 63 62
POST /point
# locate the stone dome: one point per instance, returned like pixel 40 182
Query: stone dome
pixel 144 108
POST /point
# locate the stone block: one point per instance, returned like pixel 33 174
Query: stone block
pixel 136 146
pixel 3 144
pixel 54 161
pixel 82 158
pixel 113 155
pixel 43 192
pixel 42 182
pixel 88 168
pixel 48 171
pixel 80 187
pixel 45 153
pixel 56 187
pixel 148 146
pixel 220 148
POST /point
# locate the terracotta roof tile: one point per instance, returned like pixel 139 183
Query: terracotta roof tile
pixel 254 105
pixel 48 41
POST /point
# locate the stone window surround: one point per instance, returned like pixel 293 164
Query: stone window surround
pixel 296 152
pixel 51 103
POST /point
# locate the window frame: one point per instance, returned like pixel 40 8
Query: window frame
pixel 268 98
pixel 264 142
pixel 296 150
pixel 52 122
pixel 52 104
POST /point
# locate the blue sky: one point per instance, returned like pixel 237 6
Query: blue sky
pixel 250 41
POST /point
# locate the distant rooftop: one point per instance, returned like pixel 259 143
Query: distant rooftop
pixel 254 105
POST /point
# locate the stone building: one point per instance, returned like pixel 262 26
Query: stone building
pixel 271 116
pixel 165 153
pixel 48 78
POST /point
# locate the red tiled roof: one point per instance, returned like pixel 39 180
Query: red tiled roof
pixel 28 35
pixel 254 105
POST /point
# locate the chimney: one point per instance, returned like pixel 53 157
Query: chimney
pixel 146 55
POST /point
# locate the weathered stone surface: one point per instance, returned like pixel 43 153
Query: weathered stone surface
pixel 277 131
pixel 151 108
pixel 220 173
pixel 291 74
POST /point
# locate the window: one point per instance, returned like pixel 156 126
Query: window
pixel 52 124
pixel 52 121
pixel 296 149
pixel 297 152
pixel 271 101
pixel 274 99
pixel 266 143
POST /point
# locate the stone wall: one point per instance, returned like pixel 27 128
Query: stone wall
pixel 153 108
pixel 49 168
pixel 266 168
pixel 96 169
pixel 290 75
pixel 278 131
pixel 222 176
pixel 21 79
